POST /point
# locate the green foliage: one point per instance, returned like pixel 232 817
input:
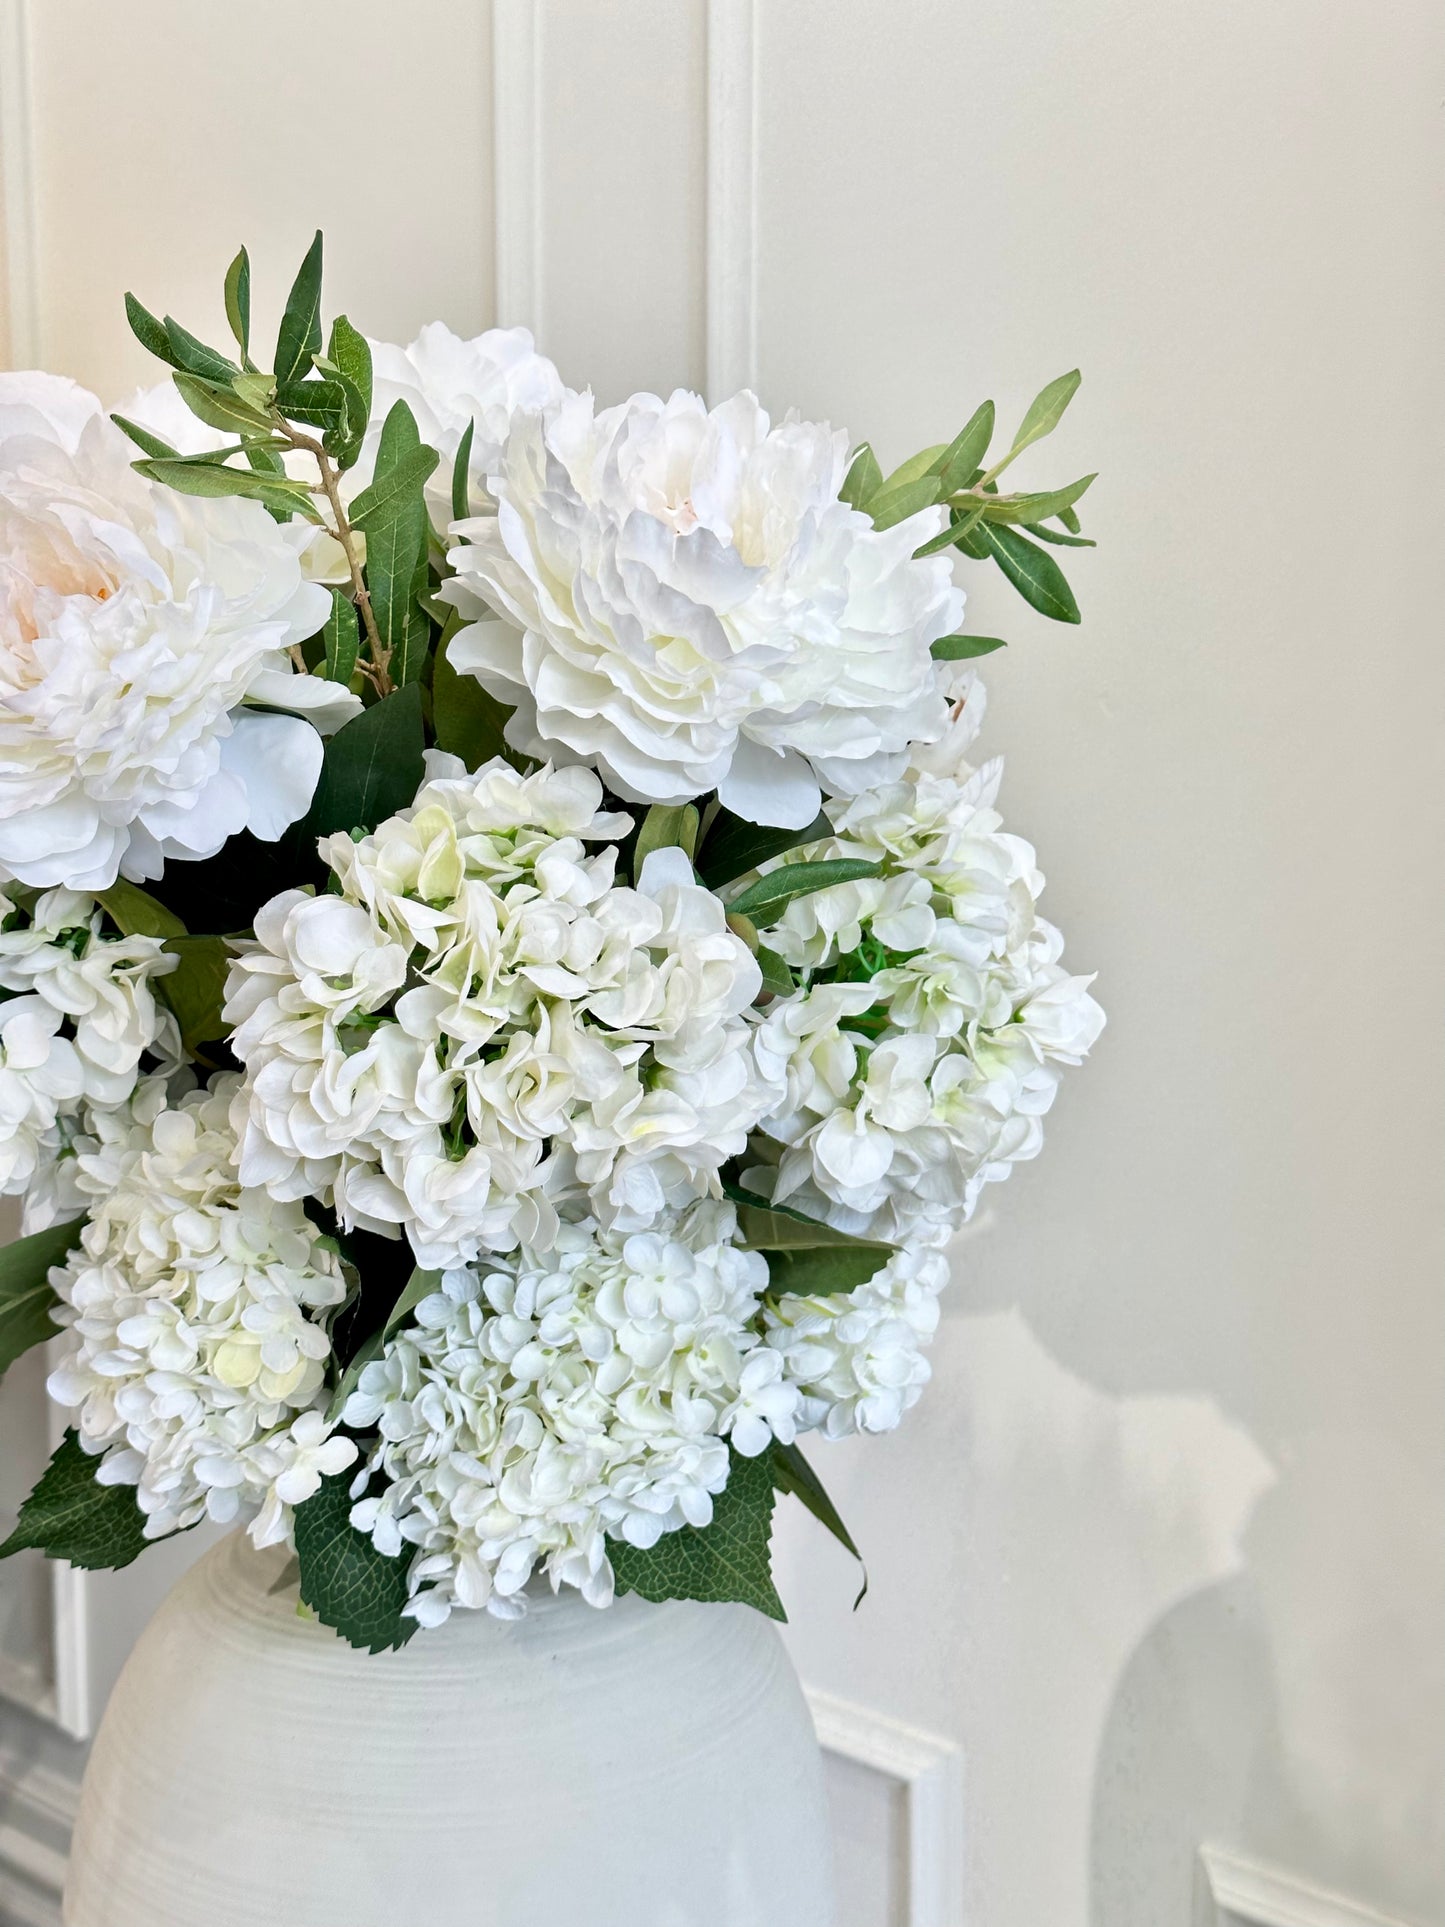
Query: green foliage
pixel 421 1284
pixel 340 639
pixel 71 1516
pixel 1032 571
pixel 372 768
pixel 468 720
pixel 773 892
pixel 136 913
pixel 725 1561
pixel 1046 410
pixel 144 440
pixel 221 408
pixel 196 990
pixel 964 456
pixel 777 977
pixel 392 512
pixel 666 825
pixel 345 1581
pixel 208 475
pixel 461 476
pixel 734 846
pixel 805 1257
pixel 238 302
pixel 963 648
pixel 195 357
pixel 299 337
pixel 26 1297
pixel 792 1473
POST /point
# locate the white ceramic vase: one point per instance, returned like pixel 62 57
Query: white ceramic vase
pixel 647 1766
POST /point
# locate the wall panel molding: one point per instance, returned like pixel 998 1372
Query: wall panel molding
pixel 929 1769
pixel 1240 1893
pixel 17 190
pixel 517 161
pixel 732 197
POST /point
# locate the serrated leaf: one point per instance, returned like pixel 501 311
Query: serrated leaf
pixel 196 989
pixel 666 826
pixel 144 440
pixel 392 512
pixel 468 720
pixel 1034 508
pixel 1035 574
pixel 299 337
pixel 26 1296
pixel 777 889
pixel 346 1582
pixel 71 1516
pixel 149 331
pixel 733 846
pixel 193 355
pixel 965 454
pixel 728 1560
pixel 238 300
pixel 220 407
pixel 340 639
pixel 1046 410
pixel 462 476
pixel 373 766
pixel 863 480
pixel 793 1474
pixel 964 648
pixel 136 913
pixel 895 505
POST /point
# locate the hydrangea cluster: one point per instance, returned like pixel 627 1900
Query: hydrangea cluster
pixel 544 1403
pixel 481 1028
pixel 80 1027
pixel 198 1349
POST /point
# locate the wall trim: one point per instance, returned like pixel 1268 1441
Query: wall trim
pixel 517 162
pixel 1241 1893
pixel 37 1809
pixel 17 185
pixel 732 197
pixel 930 1771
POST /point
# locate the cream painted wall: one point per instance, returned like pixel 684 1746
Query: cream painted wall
pixel 1162 1550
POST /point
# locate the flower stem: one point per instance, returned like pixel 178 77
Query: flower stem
pixel 378 657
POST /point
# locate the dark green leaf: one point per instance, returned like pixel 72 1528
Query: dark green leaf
pixel 350 354
pixel 345 1581
pixel 958 534
pixel 196 989
pixel 299 337
pixel 780 886
pixel 1036 575
pixel 421 1284
pixel 149 332
pixel 822 1271
pixel 1046 410
pixel 468 720
pixel 776 975
pixel 462 477
pixel 195 357
pixel 316 403
pixel 666 825
pixel 727 1560
pixel 863 480
pixel 792 1473
pixel 1063 541
pixel 142 437
pixel 963 648
pixel 733 846
pixel 26 1297
pixel 391 491
pixel 238 300
pixel 135 913
pixel 341 639
pixel 1034 508
pixel 895 505
pixel 965 454
pixel 373 767
pixel 220 407
pixel 207 477
pixel 393 514
pixel 70 1516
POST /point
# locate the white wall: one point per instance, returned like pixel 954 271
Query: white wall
pixel 1161 1552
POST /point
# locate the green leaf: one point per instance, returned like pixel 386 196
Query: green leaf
pixel 70 1516
pixel 1069 520
pixel 1034 508
pixel 1036 575
pixel 26 1296
pixel 965 454
pixel 804 1255
pixel 897 504
pixel 1063 541
pixel 196 990
pixel 345 1581
pixel 727 1560
pixel 863 480
pixel 317 403
pixel 341 639
pixel 393 514
pixel 733 846
pixel 792 1473
pixel 421 1284
pixel 957 534
pixel 238 300
pixel 149 332
pixel 350 353
pixel 220 407
pixel 136 913
pixel 468 720
pixel 963 648
pixel 780 886
pixel 926 462
pixel 257 390
pixel 462 476
pixel 666 825
pixel 1046 410
pixel 195 357
pixel 777 977
pixel 299 337
pixel 200 476
pixel 143 439
pixel 372 768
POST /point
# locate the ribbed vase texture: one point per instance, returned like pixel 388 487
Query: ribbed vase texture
pixel 644 1766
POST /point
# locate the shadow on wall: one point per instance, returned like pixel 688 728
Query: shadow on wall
pixel 1311 1752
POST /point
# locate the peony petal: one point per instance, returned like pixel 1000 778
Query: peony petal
pixel 279 760
pixel 767 786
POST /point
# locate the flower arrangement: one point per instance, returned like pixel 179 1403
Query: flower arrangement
pixel 508 978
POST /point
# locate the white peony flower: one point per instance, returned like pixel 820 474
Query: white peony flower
pixel 135 626
pixel 689 606
pixel 194 1363
pixel 80 1027
pixel 542 1404
pixel 482 1026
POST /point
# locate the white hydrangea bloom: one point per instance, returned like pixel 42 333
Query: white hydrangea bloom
pixel 482 1026
pixel 135 626
pixel 691 607
pixel 194 1364
pixel 857 1358
pixel 80 1024
pixel 540 1404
